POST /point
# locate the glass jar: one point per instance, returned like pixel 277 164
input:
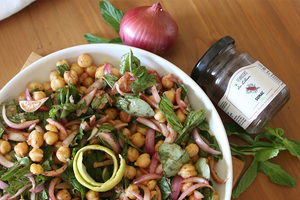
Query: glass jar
pixel 240 85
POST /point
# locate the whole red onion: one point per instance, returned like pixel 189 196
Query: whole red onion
pixel 149 28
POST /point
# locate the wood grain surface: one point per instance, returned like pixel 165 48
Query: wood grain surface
pixel 267 29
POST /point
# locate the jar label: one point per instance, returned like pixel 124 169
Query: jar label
pixel 249 91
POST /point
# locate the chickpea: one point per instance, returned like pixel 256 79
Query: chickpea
pixel 50 127
pixel 116 72
pixel 58 144
pixel 63 154
pixel 82 89
pixel 92 195
pixel 61 62
pixel 75 67
pixel 167 83
pixel 21 149
pixel 38 95
pixel 191 197
pixel 5 147
pixel 53 74
pixel 63 195
pixel 133 154
pixel 46 86
pixel 33 85
pixel 192 149
pixel 170 94
pixel 143 160
pixel 185 186
pixel 130 172
pixel 187 170
pixel 94 141
pixel 112 113
pixel 141 130
pixel 36 169
pixel 61 135
pixel 8 157
pixel 137 139
pixel 70 77
pixel 158 144
pixel 36 155
pixel 125 117
pixel 126 132
pixel 35 139
pixel 151 185
pixel 180 115
pixel 88 81
pixel 117 121
pixel 91 70
pixel 138 173
pixel 159 116
pixel 100 71
pixel 133 188
pixel 51 137
pixel 57 82
pixel 84 60
pixel 21 97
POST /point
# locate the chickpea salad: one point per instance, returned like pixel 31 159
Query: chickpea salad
pixel 98 132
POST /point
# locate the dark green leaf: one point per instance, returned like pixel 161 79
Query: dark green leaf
pixel 260 146
pixel 292 146
pixel 183 91
pixel 92 39
pixel 111 15
pixel 110 79
pixel 123 137
pixel 263 155
pixel 61 69
pixel 74 92
pixel 1 132
pixel 128 63
pixel 235 129
pixel 89 160
pixel 164 185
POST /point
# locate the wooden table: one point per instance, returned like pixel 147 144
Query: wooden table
pixel 268 29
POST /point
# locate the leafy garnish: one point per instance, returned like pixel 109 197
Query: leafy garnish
pixel 110 79
pixel 111 15
pixel 164 185
pixel 143 81
pixel 61 69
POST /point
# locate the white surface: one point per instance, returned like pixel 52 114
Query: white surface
pixel 10 7
pixel 39 71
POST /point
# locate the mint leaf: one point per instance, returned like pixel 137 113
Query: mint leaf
pixel 111 15
pixel 263 155
pixel 61 69
pixel 1 132
pixel 110 79
pixel 235 129
pixel 292 146
pixel 143 81
pixel 128 63
pixel 164 185
pixel 92 39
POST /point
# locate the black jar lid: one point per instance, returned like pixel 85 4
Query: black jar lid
pixel 209 55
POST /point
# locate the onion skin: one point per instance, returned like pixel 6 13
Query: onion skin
pixel 51 188
pixel 149 28
pixel 147 177
pixel 176 185
pixel 150 141
pixel 202 144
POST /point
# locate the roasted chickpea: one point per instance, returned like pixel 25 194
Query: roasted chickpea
pixel 75 67
pixel 82 89
pixel 63 154
pixel 137 139
pixel 63 195
pixel 51 137
pixel 50 127
pixel 117 121
pixel 133 188
pixel 8 157
pixel 70 77
pixel 5 147
pixel 21 149
pixel 143 160
pixel 100 71
pixel 84 60
pixel 133 154
pixel 88 81
pixel 46 86
pixel 38 95
pixel 159 116
pixel 94 141
pixel 61 62
pixel 126 132
pixel 57 82
pixel 180 115
pixel 36 169
pixel 36 155
pixel 138 173
pixel 158 144
pixel 185 186
pixel 141 130
pixel 151 185
pixel 91 70
pixel 92 195
pixel 116 72
pixel 34 85
pixel 62 136
pixel 187 170
pixel 192 149
pixel 35 139
pixel 167 83
pixel 130 172
pixel 170 94
pixel 53 74
pixel 21 97
pixel 191 197
pixel 111 112
pixel 125 117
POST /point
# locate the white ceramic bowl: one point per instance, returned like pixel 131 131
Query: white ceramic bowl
pixel 39 71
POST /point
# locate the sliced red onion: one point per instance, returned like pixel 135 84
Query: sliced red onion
pixel 143 170
pixel 56 172
pixel 102 164
pixel 20 191
pixel 32 181
pixel 58 125
pixel 109 99
pixel 75 122
pixel 195 180
pixel 51 188
pixel 107 69
pixel 87 99
pixel 109 139
pixel 68 140
pixel 5 163
pixel 93 133
pixel 85 126
pixel 173 135
pixel 147 194
pixel 173 79
pixel 120 92
pixel 39 129
pixel 93 121
pixel 38 188
pixel 213 172
pixel 176 185
pixel 178 98
pixel 121 125
pixel 102 120
pixel 71 99
pixel 191 189
pixel 3 185
pixel 153 163
pixel 202 144
pixel 158 192
pixel 148 100
pixel 138 196
pixel 44 109
pixel 112 122
pixel 18 137
pixel 15 125
pixel 133 128
pixel 162 126
pixel 64 185
pixel 150 141
pixel 31 128
pixel 159 169
pixel 98 84
pixel 186 100
pixel 147 177
pixel 148 122
pixel 31 106
pixel 5 197
pixel 64 120
pixel 198 195
pixel 27 95
pixel 183 104
pixel 155 94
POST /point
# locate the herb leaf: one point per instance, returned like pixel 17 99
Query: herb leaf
pixel 61 69
pixel 111 15
pixel 164 185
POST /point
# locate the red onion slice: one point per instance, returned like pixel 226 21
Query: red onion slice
pixel 148 122
pixel 56 172
pixel 120 92
pixel 198 195
pixel 75 122
pixel 173 135
pixel 93 133
pixel 97 84
pixel 153 163
pixel 38 188
pixel 51 188
pixel 5 197
pixel 39 129
pixel 87 99
pixel 68 140
pixel 192 188
pixel 138 196
pixel 18 137
pixel 107 69
pixel 213 172
pixel 3 185
pixel 162 126
pixel 155 94
pixel 15 125
pixel 20 191
pixel 93 121
pixel 150 141
pixel 178 98
pixel 176 185
pixel 144 170
pixel 195 180
pixel 147 194
pixel 102 120
pixel 158 192
pixel 5 163
pixel 147 177
pixel 202 144
pixel 173 79
pixel 109 139
pixel 159 169
pixel 58 125
pixel 148 100
pixel 27 95
pixel 121 125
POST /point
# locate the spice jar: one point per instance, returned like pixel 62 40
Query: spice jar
pixel 240 85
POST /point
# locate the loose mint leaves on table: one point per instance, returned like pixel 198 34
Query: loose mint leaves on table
pixel 262 152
